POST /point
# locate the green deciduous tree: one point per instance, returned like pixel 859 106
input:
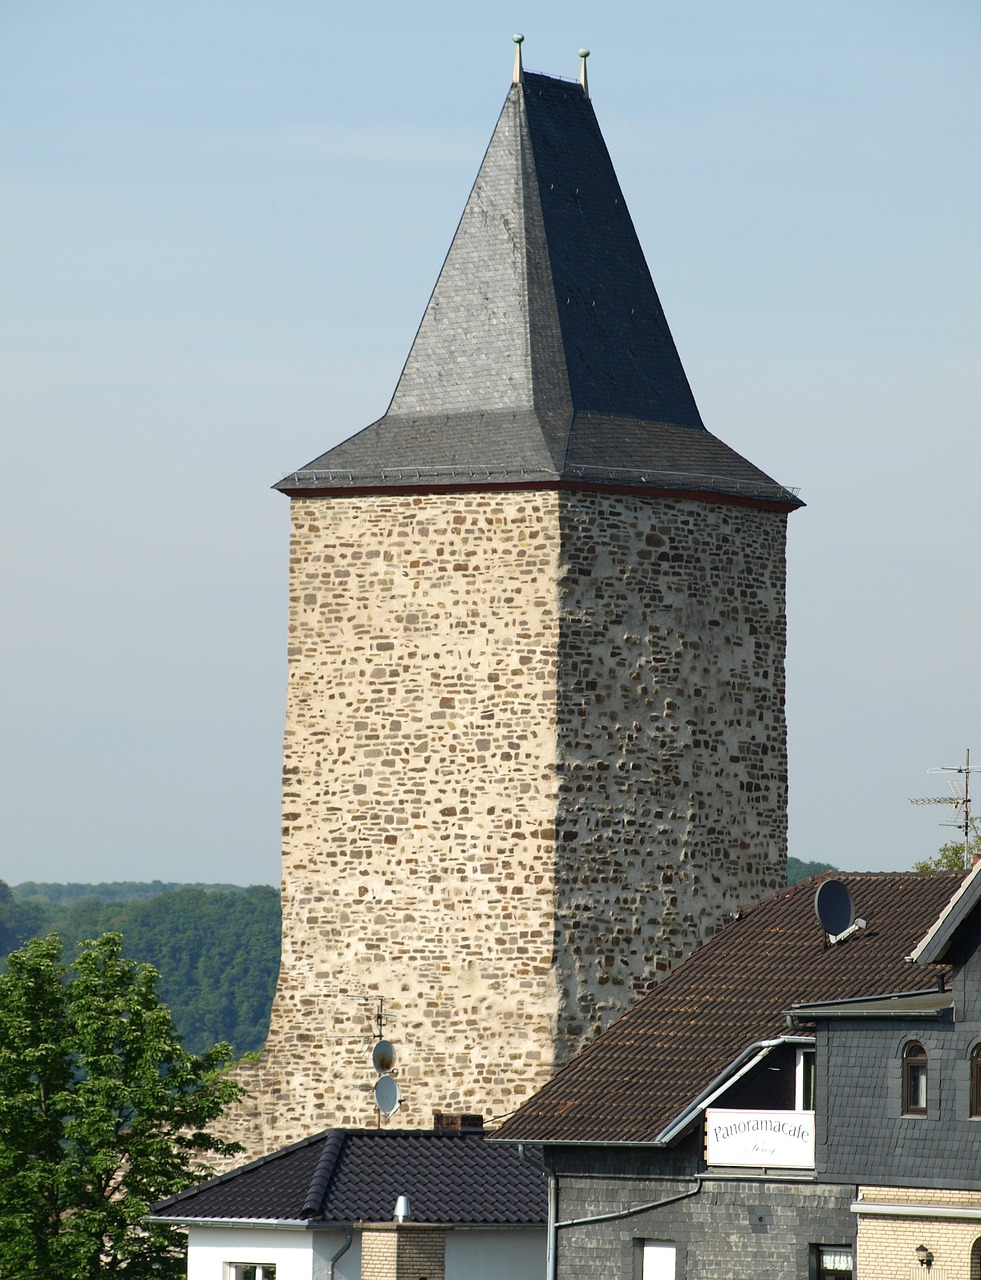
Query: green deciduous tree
pixel 102 1112
pixel 797 870
pixel 949 857
pixel 18 920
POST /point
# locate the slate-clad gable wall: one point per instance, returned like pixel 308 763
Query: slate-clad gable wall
pixel 863 1137
pixel 534 752
pixel 967 988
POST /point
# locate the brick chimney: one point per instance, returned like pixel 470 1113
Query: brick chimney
pixel 457 1122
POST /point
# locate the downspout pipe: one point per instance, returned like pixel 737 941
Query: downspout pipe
pixel 348 1240
pixel 619 1214
pixel 553 1226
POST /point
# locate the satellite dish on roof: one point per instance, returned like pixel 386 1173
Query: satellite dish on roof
pixel 383 1056
pixel 833 907
pixel 387 1096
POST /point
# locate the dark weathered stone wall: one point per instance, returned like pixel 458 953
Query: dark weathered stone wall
pixel 672 755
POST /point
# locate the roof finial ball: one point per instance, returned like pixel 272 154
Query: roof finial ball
pixel 583 54
pixel 518 41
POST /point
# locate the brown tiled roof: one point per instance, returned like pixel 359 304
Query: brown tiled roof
pixel 636 1078
pixel 356 1175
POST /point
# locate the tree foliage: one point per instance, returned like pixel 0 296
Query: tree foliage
pixel 216 948
pixel 108 890
pixel 102 1112
pixel 949 857
pixel 797 870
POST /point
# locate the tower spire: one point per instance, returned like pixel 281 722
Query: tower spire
pixel 583 78
pixel 544 354
pixel 519 75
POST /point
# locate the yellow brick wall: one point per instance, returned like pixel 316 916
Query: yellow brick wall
pixel 887 1246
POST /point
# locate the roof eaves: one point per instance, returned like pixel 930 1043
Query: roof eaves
pixel 279 1154
pixel 245 1224
pixel 933 946
pixel 926 1001
pixel 750 1057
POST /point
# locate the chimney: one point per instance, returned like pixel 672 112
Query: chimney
pixel 457 1122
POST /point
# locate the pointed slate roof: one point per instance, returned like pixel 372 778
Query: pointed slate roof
pixel 640 1080
pixel 544 354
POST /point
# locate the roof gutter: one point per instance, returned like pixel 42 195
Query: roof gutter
pixel 955 1213
pixel 243 1224
pixel 750 1057
pixel 930 1003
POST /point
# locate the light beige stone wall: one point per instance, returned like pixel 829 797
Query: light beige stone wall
pixel 534 752
pixel 419 805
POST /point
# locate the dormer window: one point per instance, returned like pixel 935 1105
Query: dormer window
pixel 914 1079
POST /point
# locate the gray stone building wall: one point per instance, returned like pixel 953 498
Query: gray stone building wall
pixel 721 1228
pixel 535 751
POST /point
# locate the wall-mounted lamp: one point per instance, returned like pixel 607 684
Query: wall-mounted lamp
pixel 923 1256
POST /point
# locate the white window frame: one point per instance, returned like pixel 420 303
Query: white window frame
pixel 800 1069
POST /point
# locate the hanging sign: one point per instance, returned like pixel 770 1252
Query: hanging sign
pixel 751 1139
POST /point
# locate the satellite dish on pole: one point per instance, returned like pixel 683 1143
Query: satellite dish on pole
pixel 833 907
pixel 387 1096
pixel 383 1056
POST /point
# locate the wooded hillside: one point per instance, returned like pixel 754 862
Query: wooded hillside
pixel 216 947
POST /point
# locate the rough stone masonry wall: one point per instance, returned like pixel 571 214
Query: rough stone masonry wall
pixel 534 752
pixel 672 754
pixel 419 803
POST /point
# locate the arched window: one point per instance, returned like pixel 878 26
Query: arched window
pixel 976 1260
pixel 914 1079
pixel 976 1080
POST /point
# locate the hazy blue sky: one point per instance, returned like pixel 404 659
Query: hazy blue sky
pixel 220 225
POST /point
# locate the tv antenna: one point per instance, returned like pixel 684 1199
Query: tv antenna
pixel 959 801
pixel 388 1096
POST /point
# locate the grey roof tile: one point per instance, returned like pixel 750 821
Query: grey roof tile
pixel 351 1175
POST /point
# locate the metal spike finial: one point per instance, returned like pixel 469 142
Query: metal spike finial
pixel 518 71
pixel 583 80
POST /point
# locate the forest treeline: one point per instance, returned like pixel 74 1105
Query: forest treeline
pixel 216 947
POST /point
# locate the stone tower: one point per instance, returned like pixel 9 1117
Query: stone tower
pixel 535 744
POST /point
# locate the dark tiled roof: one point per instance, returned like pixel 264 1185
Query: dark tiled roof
pixel 352 1175
pixel 544 354
pixel 639 1075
